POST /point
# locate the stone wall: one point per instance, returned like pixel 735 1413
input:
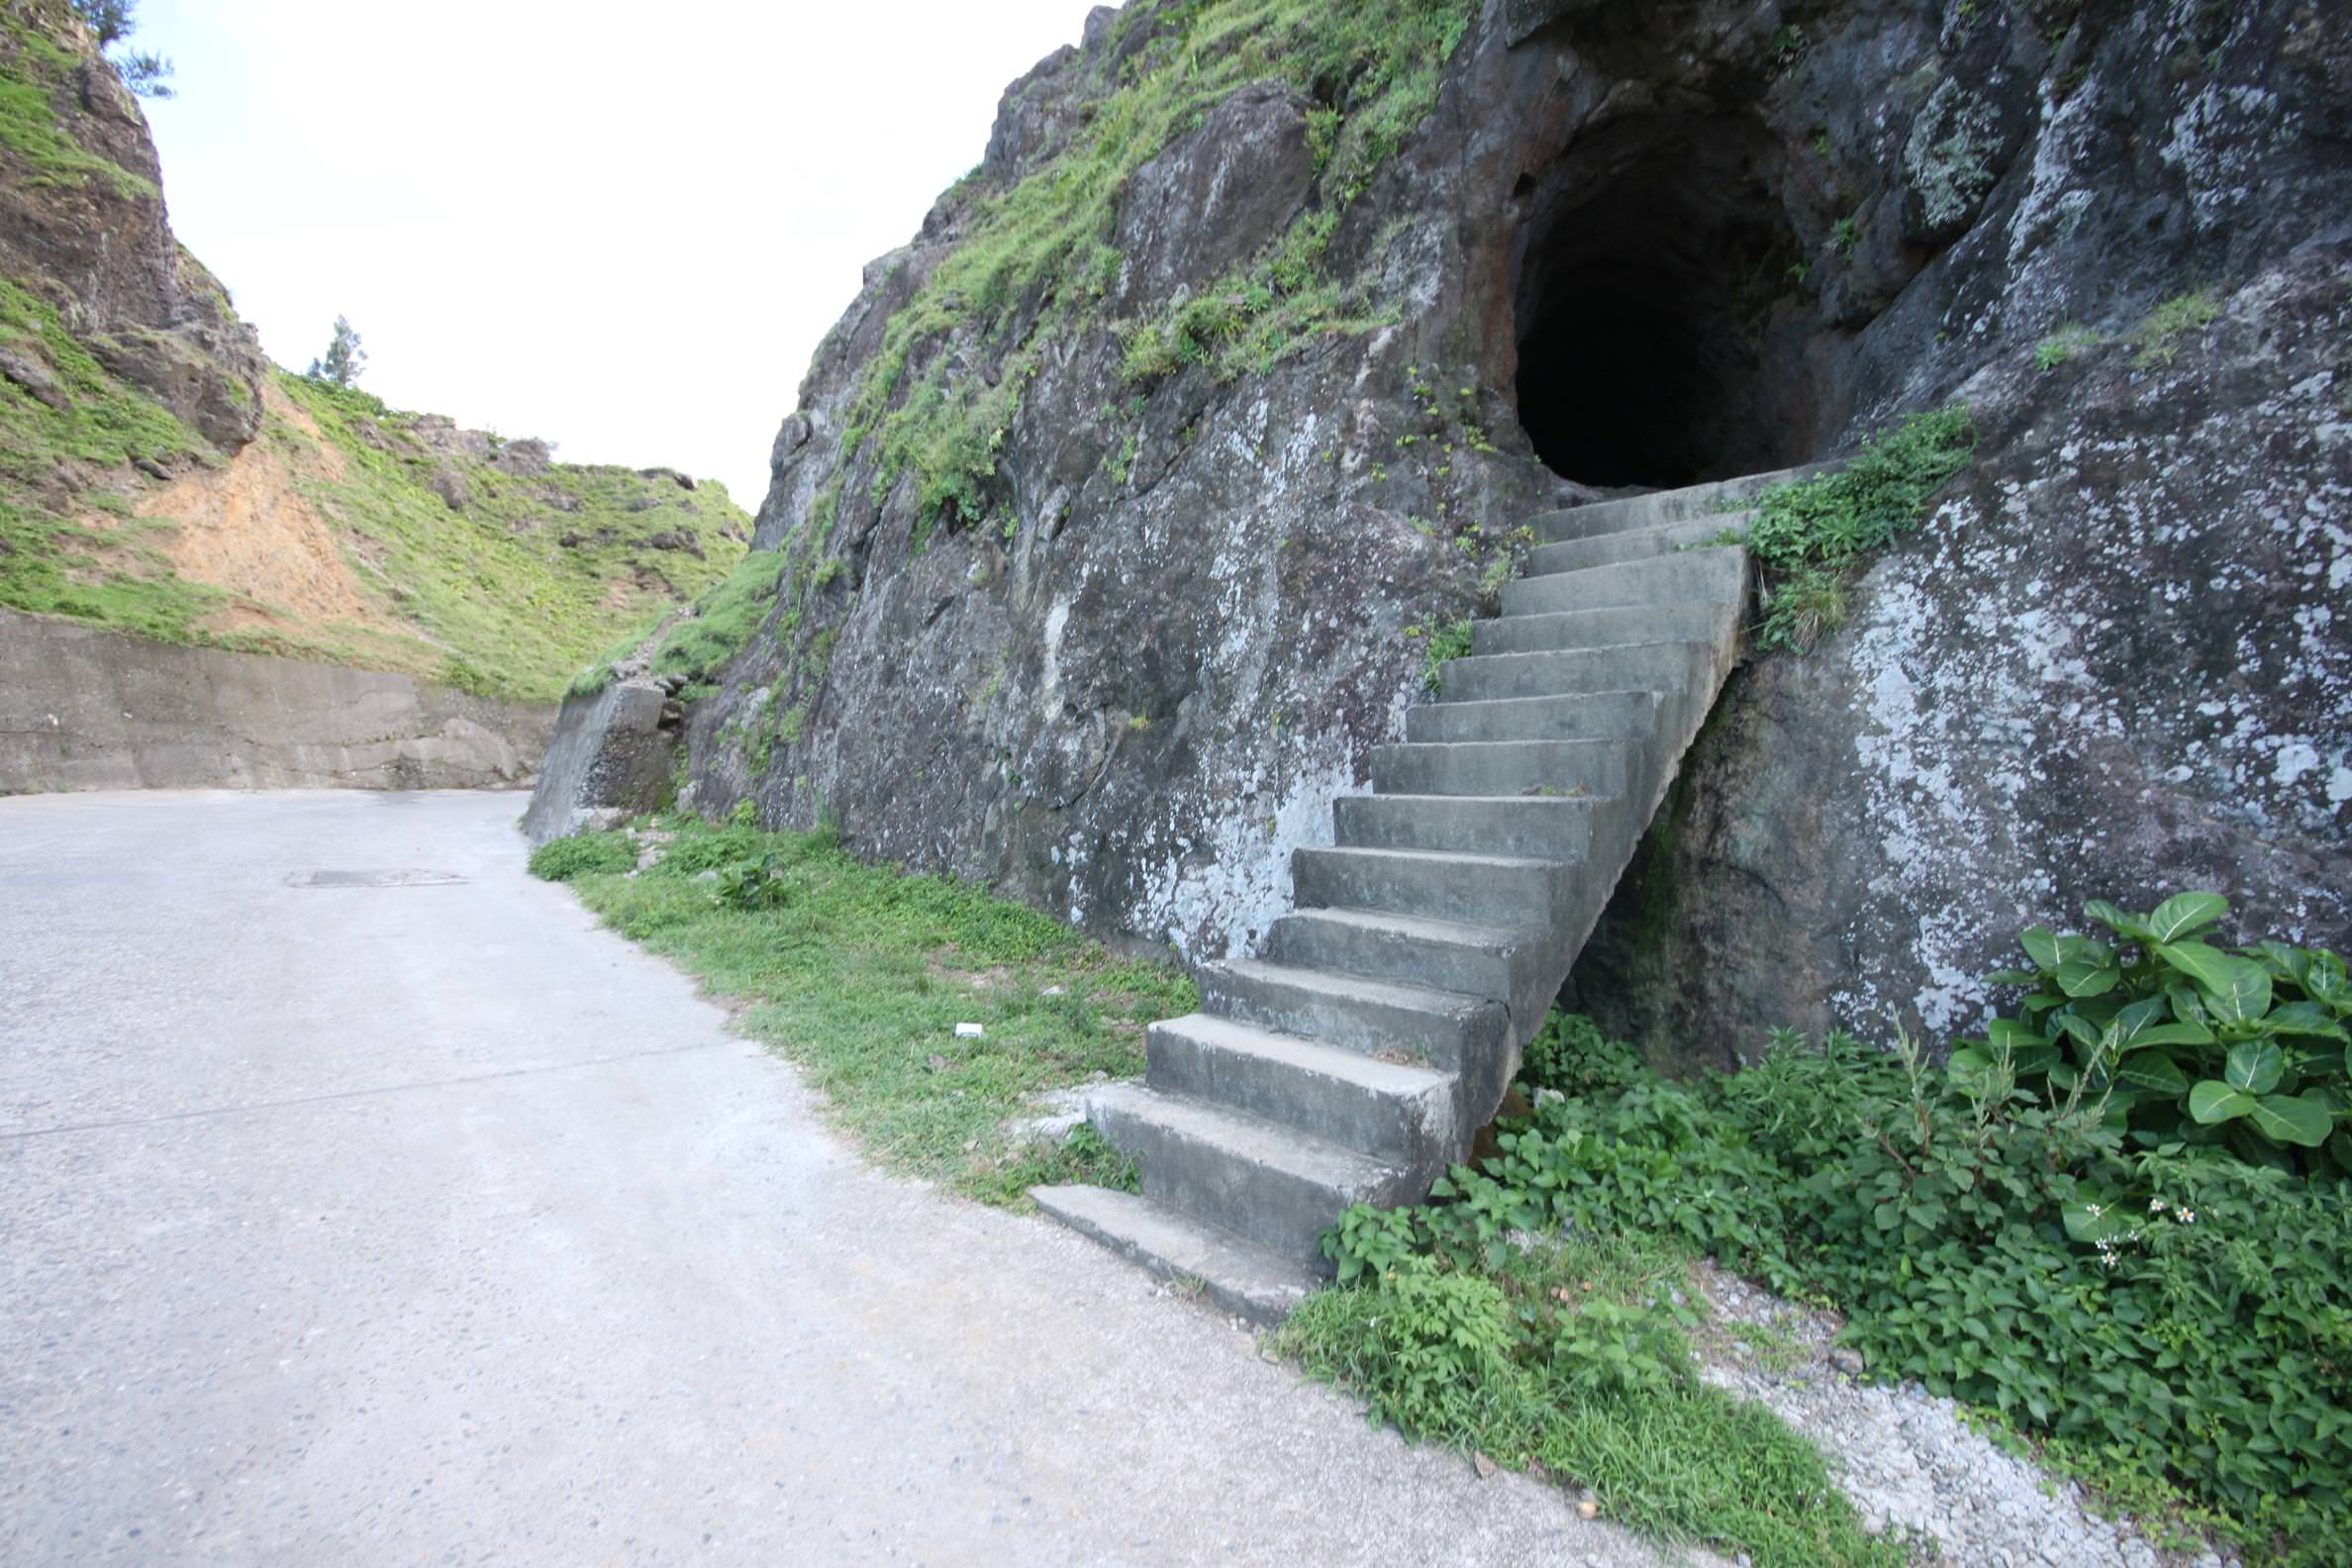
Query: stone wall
pixel 82 709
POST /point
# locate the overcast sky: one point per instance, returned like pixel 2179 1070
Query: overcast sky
pixel 623 228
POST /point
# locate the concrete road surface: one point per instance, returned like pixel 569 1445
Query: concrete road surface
pixel 413 1218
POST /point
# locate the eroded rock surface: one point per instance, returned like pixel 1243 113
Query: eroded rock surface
pixel 1122 674
pixel 92 239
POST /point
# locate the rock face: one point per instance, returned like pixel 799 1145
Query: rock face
pixel 1105 576
pixel 82 226
pixel 2114 665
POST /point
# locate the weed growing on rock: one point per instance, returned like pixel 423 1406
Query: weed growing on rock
pixel 860 973
pixel 1440 642
pixel 2064 345
pixel 2158 337
pixel 1808 537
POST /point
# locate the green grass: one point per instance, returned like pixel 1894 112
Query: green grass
pixel 1573 1358
pixel 724 619
pixel 860 973
pixel 2162 1321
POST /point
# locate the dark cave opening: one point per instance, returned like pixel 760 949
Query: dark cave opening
pixel 1649 264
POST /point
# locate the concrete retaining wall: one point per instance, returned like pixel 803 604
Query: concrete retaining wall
pixel 84 709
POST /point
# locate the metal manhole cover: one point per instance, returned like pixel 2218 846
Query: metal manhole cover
pixel 372 879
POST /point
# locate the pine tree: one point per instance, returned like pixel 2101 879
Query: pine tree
pixel 144 73
pixel 345 358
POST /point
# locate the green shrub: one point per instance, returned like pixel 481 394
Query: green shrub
pixel 583 854
pixel 2178 1040
pixel 1810 535
pixel 2164 1317
pixel 765 883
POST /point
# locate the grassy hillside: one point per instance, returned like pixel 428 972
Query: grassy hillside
pixel 333 535
pixel 143 489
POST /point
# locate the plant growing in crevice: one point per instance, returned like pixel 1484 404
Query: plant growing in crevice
pixel 1440 642
pixel 1808 537
pixel 2158 337
pixel 2066 343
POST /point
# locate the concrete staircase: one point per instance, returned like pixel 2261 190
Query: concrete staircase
pixel 1355 1060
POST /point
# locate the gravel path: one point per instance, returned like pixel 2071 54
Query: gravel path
pixel 426 1221
pixel 1905 1456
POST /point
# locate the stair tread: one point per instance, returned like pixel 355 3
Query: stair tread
pixel 1242 1277
pixel 1498 748
pixel 1481 800
pixel 1556 697
pixel 1308 1054
pixel 1339 982
pixel 1277 1145
pixel 1637 560
pixel 1459 932
pixel 1594 651
pixel 1478 858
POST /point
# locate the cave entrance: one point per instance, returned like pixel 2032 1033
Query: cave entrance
pixel 1649 266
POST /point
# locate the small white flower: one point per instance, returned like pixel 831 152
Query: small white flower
pixel 2155 1206
pixel 2188 1216
pixel 2093 1210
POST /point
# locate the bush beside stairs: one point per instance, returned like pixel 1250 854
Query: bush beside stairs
pixel 1354 1060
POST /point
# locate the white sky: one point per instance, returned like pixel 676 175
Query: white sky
pixel 623 228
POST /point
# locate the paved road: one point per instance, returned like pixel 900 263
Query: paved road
pixel 429 1224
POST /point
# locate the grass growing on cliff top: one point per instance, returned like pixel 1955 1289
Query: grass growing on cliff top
pixel 1039 253
pixel 860 973
pixel 32 67
pixel 1810 536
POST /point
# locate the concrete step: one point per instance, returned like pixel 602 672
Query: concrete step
pixel 1716 575
pixel 1692 621
pixel 1389 1110
pixel 1670 668
pixel 1262 1180
pixel 1442 956
pixel 1578 715
pixel 1626 513
pixel 1535 768
pixel 1240 1277
pixel 1494 890
pixel 1353 1011
pixel 1663 539
pixel 1544 828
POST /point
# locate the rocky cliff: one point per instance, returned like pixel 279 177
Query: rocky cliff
pixel 158 476
pixel 1122 509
